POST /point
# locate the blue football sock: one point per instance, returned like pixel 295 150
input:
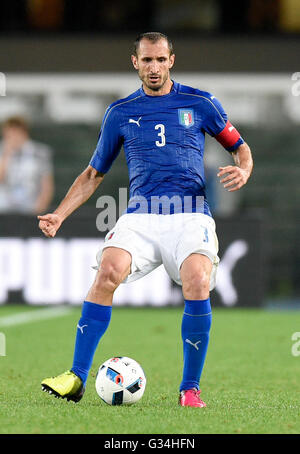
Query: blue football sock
pixel 92 325
pixel 196 322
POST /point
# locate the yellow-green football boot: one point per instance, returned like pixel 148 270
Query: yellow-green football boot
pixel 66 386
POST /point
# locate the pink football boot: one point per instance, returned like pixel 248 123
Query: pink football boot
pixel 191 398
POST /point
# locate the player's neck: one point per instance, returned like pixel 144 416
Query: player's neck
pixel 164 90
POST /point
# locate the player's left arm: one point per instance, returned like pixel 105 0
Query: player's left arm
pixel 218 126
pixel 236 176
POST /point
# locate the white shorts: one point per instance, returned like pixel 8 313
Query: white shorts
pixel 156 239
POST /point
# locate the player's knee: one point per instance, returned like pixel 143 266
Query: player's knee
pixel 110 276
pixel 196 285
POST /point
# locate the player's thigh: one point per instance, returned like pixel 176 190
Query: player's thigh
pixel 193 242
pixel 137 235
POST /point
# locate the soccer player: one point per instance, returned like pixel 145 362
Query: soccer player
pixel 162 127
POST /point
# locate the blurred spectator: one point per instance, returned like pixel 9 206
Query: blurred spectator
pixel 26 173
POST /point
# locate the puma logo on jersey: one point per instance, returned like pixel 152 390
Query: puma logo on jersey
pixel 231 128
pixel 137 122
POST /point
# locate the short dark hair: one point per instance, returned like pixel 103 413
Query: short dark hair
pixel 16 122
pixel 153 37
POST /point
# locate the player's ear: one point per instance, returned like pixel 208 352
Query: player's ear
pixel 172 61
pixel 134 61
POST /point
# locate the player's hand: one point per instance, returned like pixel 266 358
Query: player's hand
pixel 234 177
pixel 49 224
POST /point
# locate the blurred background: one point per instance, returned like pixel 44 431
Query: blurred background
pixel 63 62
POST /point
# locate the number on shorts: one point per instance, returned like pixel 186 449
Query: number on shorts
pixel 205 235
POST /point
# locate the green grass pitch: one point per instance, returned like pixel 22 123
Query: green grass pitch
pixel 250 381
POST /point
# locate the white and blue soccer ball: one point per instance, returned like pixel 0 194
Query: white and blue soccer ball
pixel 120 381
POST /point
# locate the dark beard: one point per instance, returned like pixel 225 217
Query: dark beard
pixel 155 88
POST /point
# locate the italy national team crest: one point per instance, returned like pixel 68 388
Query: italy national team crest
pixel 186 117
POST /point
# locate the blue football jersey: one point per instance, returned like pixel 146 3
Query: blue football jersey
pixel 163 139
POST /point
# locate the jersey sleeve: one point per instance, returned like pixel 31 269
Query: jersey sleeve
pixel 109 142
pixel 218 126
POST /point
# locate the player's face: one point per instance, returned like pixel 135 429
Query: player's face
pixel 153 64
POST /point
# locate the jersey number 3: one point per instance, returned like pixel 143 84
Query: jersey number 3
pixel 161 134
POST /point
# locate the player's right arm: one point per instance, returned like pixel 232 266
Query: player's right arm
pixel 81 190
pixel 108 147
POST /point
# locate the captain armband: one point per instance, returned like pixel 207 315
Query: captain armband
pixel 229 137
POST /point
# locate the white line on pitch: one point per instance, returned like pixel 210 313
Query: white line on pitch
pixel 34 316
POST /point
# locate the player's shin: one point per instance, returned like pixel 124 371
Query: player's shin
pixel 196 323
pixel 92 325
